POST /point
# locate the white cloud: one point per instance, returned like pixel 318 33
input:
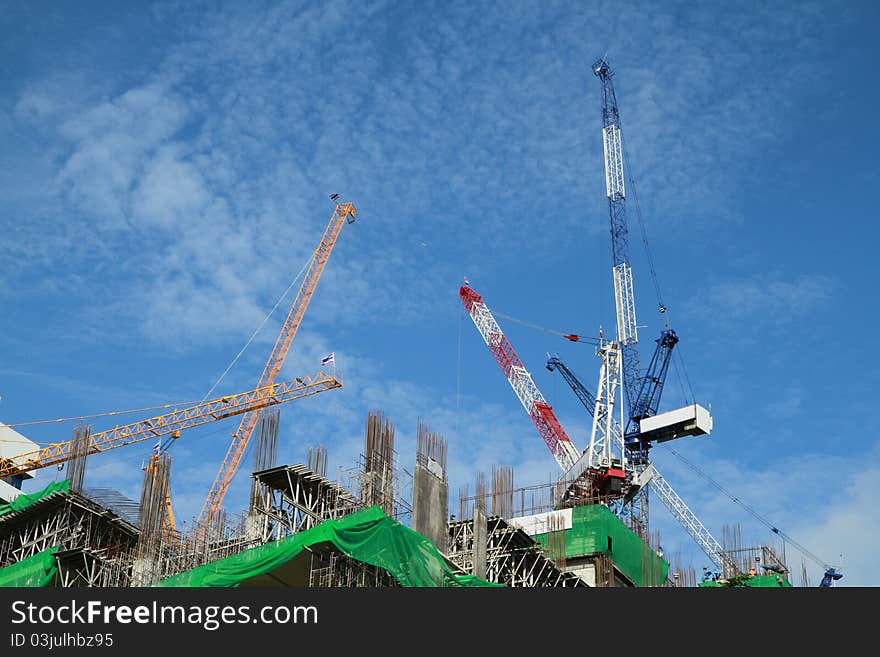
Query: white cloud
pixel 196 187
pixel 170 191
pixel 109 144
pixel 770 297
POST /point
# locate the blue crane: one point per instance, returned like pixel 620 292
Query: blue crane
pixel 641 391
pixel 615 189
pixel 648 399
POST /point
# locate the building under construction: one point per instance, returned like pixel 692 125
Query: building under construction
pixel 379 523
pixel 303 529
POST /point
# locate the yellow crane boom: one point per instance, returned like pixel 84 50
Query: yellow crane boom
pixel 173 423
pixel 240 439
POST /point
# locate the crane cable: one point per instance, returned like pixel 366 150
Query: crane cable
pixel 573 337
pixel 171 441
pixel 751 511
pixel 656 281
pixel 259 328
pixel 678 354
pixel 94 415
pixel 163 406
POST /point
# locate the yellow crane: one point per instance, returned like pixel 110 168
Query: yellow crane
pixel 343 212
pixel 173 423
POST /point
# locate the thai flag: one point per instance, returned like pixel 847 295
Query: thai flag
pixel 467 282
pixel 334 197
pixel 328 359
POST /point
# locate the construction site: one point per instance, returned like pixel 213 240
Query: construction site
pixel 388 519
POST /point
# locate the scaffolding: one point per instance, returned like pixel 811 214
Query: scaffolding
pixel 513 558
pixel 331 569
pixel 294 498
pixel 74 524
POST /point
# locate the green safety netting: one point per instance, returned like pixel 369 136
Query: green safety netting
pixel 595 529
pixel 35 571
pixel 368 536
pixel 753 581
pixel 25 500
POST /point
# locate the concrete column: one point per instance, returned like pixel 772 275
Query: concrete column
pixel 430 506
pixel 481 536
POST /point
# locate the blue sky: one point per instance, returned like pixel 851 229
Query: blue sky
pixel 165 174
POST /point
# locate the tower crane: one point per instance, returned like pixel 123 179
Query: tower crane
pixel 615 190
pixel 642 392
pixel 342 213
pixel 673 502
pixel 172 424
pixel 601 467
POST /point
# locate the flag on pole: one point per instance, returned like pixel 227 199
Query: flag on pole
pixel 334 197
pixel 467 282
pixel 328 359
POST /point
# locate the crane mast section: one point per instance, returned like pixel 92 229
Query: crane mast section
pixel 625 302
pixel 615 187
pixel 615 190
pixel 520 379
pixel 605 431
pixel 171 423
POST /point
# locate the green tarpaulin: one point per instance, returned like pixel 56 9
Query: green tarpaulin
pixel 596 530
pixel 753 581
pixel 35 571
pixel 25 500
pixel 368 536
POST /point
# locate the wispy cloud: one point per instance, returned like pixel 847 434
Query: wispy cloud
pixel 769 297
pixel 178 198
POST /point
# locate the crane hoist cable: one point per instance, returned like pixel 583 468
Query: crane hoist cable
pixel 106 414
pixel 660 305
pixel 169 443
pixel 344 212
pixel 142 409
pixel 573 337
pixel 764 521
pixel 664 310
pixel 260 327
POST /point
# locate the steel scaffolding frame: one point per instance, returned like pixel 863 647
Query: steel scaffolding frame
pixel 513 557
pixel 294 498
pixel 69 521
